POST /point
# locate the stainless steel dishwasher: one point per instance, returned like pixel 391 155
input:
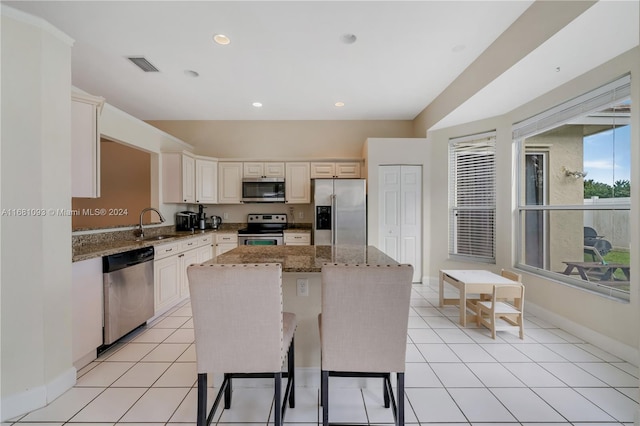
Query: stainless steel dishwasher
pixel 128 292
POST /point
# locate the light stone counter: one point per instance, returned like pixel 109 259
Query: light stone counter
pixel 305 258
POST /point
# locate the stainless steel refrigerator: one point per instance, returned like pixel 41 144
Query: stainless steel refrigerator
pixel 340 212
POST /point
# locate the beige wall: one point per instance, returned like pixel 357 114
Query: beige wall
pixel 125 181
pixel 282 139
pixel 610 323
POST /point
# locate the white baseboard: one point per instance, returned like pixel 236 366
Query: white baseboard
pixel 24 402
pixel 622 351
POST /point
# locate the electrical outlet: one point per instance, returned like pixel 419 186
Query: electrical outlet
pixel 302 285
pixel 225 216
pixel 300 215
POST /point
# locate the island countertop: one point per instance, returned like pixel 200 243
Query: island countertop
pixel 304 258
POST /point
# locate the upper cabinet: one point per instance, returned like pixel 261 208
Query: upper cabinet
pixel 298 183
pixel 206 181
pixel 85 145
pixel 178 177
pixel 229 182
pixel 263 170
pixel 340 170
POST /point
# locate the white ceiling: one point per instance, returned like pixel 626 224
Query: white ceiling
pixel 290 56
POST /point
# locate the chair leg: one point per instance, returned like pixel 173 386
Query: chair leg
pixel 277 403
pixel 202 400
pixel 324 397
pixel 227 392
pixel 400 419
pixel 291 368
pixel 385 391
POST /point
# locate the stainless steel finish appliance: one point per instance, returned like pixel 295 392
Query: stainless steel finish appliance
pixel 216 221
pixel 128 292
pixel 186 221
pixel 340 212
pixel 263 230
pixel 263 190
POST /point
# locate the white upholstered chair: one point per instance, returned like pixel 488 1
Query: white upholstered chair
pixel 363 327
pixel 241 330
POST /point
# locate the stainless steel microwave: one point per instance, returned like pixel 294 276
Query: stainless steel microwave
pixel 263 190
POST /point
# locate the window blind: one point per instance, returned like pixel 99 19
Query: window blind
pixel 472 196
pixel 593 101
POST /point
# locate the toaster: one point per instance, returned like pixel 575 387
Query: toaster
pixel 186 221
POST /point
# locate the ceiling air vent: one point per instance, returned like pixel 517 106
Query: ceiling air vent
pixel 143 64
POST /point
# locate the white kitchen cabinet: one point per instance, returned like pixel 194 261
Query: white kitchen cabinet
pixel 187 258
pixel 298 183
pixel 226 241
pixel 86 310
pixel 167 278
pixel 263 170
pixel 85 145
pixel 229 182
pixel 297 238
pixel 178 177
pixel 206 181
pixel 333 170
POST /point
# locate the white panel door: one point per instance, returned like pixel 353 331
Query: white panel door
pixel 389 209
pixel 400 215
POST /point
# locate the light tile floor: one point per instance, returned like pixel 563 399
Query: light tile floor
pixel 454 376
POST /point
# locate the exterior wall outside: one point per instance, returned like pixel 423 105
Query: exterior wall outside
pixel 615 322
pixel 565 148
pixel 36 249
pixel 614 225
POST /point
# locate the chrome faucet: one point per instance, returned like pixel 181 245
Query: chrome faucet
pixel 141 230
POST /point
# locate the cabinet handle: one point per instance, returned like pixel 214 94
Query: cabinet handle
pixel 181 255
pixel 168 250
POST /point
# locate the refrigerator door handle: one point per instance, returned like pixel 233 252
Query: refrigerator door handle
pixel 334 212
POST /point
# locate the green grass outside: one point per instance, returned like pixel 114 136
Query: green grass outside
pixel 614 256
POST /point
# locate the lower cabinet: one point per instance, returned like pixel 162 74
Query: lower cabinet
pixel 226 241
pixel 86 310
pixel 297 238
pixel 170 269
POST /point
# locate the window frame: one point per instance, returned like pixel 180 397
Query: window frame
pixel 560 115
pixel 481 246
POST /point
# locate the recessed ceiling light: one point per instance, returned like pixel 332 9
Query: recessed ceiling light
pixel 191 73
pixel 257 104
pixel 221 39
pixel 348 38
pixel 339 104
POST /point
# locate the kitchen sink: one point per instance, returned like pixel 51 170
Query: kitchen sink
pixel 158 237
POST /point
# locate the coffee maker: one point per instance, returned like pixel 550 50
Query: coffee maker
pixel 186 221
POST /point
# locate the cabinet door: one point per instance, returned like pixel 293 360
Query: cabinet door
pixel 86 310
pixel 205 253
pixel 323 170
pixel 297 238
pixel 167 282
pixel 229 182
pixel 188 179
pixel 298 183
pixel 187 258
pixel 275 170
pixel 225 247
pixel 206 181
pixel 347 170
pixel 252 170
pixel 85 146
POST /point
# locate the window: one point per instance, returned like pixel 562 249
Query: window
pixel 472 197
pixel 574 191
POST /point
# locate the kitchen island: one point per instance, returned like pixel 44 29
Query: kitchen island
pixel 301 283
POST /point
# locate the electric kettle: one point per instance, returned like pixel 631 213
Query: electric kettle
pixel 216 221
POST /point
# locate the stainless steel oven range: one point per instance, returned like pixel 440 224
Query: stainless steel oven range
pixel 263 230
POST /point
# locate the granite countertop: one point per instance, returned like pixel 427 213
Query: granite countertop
pixel 304 258
pixel 297 230
pixel 90 246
